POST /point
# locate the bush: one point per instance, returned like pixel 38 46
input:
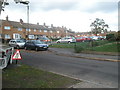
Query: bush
pixel 94 43
pixel 78 48
pixel 110 37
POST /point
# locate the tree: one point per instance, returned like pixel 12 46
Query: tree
pixel 99 26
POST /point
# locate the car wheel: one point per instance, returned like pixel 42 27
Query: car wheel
pixel 25 48
pixel 69 42
pixel 58 42
pixel 36 49
pixel 17 47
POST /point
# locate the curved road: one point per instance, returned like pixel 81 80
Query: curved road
pixel 99 72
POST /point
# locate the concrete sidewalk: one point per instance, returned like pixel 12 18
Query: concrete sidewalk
pixel 70 52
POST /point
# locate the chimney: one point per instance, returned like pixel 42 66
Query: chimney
pixel 7 18
pixel 38 23
pixel 21 21
pixel 44 24
pixel 51 25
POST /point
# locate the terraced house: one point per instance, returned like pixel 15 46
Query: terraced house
pixel 17 30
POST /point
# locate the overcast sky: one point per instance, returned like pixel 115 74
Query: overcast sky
pixel 74 14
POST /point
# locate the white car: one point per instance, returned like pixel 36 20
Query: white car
pixel 66 40
pixel 17 43
pixel 95 38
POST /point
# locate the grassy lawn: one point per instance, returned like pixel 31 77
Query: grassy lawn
pixel 27 77
pixel 99 46
pixel 113 47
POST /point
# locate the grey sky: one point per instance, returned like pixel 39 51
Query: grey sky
pixel 74 14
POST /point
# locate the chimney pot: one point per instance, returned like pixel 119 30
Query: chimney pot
pixel 21 21
pixel 51 25
pixel 38 23
pixel 44 24
pixel 7 18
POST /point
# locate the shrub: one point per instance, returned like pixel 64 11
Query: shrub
pixel 94 43
pixel 78 48
pixel 110 37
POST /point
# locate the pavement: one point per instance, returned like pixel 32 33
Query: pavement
pixel 92 56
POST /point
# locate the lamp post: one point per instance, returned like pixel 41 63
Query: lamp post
pixel 26 2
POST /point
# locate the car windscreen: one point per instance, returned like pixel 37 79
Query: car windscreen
pixel 44 38
pixel 38 42
pixel 20 41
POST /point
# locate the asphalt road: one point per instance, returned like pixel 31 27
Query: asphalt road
pixel 99 72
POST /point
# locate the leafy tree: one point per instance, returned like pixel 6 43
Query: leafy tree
pixel 99 26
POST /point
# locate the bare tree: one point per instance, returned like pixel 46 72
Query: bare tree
pixel 99 26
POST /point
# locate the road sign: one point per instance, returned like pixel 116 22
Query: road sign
pixel 17 55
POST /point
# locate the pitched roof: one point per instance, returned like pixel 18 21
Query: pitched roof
pixel 26 25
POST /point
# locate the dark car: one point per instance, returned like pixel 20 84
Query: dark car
pixel 45 39
pixel 36 45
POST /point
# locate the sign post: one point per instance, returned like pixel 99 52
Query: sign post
pixel 17 56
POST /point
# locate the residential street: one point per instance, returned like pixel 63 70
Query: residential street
pixel 103 74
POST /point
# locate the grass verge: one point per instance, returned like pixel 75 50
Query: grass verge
pixel 28 77
pixel 113 47
pixel 98 46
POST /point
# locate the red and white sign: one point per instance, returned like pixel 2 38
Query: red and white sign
pixel 17 55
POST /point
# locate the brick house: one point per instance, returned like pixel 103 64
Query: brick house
pixel 17 30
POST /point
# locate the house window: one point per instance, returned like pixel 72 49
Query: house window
pixel 28 29
pixel 19 29
pixel 0 36
pixel 7 36
pixel 51 31
pixel 40 30
pixel 45 30
pixel 58 31
pixel 16 36
pixel 34 30
pixel 7 27
pixel 31 37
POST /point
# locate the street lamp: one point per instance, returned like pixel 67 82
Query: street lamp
pixel 26 2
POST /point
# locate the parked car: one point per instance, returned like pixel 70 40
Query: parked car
pixel 6 54
pixel 101 37
pixel 83 39
pixel 94 37
pixel 45 39
pixel 36 45
pixel 16 43
pixel 66 40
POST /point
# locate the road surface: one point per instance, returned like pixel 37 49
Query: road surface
pixel 99 72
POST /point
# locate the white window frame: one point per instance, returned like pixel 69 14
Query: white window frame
pixel 7 27
pixel 40 30
pixel 16 36
pixel 51 31
pixel 45 31
pixel 31 36
pixel 28 29
pixel 34 30
pixel 58 31
pixel 7 36
pixel 19 29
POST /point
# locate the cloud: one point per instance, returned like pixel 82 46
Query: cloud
pixel 52 5
pixel 105 7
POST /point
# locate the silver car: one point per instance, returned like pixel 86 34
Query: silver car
pixel 17 43
pixel 66 40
